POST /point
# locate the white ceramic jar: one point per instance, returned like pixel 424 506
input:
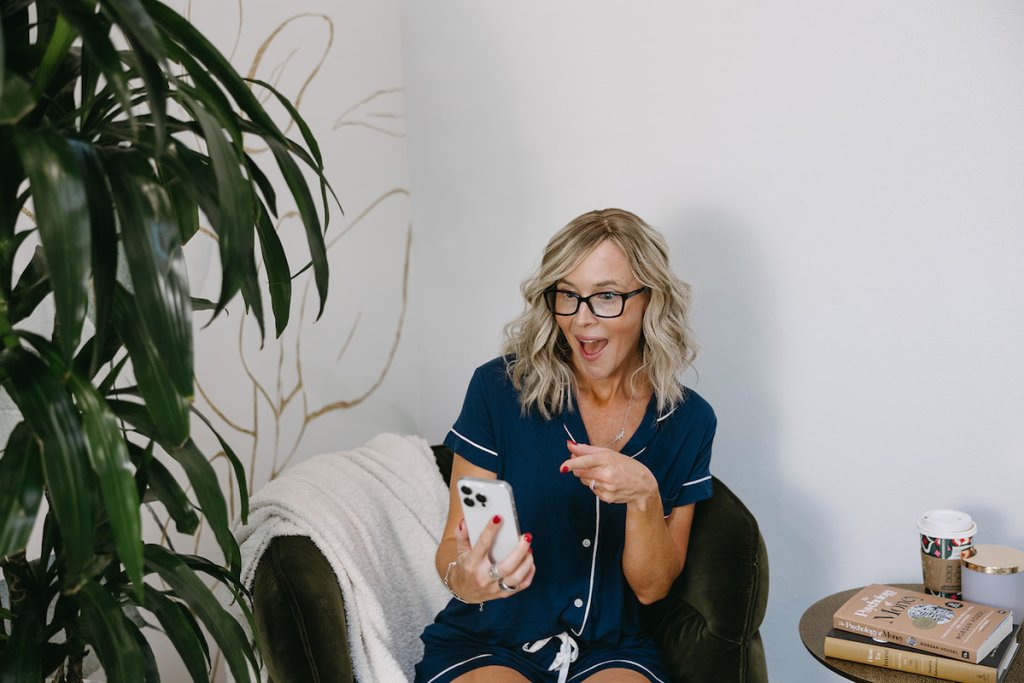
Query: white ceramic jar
pixel 994 575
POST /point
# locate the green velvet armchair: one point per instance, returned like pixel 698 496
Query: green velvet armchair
pixel 707 626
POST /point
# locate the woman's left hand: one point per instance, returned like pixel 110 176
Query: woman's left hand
pixel 612 476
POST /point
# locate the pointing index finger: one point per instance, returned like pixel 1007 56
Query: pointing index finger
pixel 582 462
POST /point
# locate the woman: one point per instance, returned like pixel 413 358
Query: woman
pixel 606 453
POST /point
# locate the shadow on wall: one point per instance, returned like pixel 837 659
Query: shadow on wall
pixel 739 373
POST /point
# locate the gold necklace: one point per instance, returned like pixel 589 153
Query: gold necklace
pixel 622 427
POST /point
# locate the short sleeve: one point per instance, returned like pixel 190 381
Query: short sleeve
pixel 685 437
pixel 473 434
pixel 697 484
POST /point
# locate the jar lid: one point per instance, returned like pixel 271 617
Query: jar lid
pixel 993 559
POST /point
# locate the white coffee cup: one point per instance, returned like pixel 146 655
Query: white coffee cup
pixel 944 536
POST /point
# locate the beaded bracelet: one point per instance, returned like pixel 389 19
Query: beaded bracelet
pixel 451 590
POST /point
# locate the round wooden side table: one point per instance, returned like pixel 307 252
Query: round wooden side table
pixel 817 620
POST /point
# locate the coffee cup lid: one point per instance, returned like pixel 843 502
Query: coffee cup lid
pixel 946 524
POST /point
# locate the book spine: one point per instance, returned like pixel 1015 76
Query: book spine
pixel 925 644
pixel 912 662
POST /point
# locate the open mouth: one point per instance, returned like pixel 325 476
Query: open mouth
pixel 591 348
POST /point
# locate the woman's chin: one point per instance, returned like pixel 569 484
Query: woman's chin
pixel 596 367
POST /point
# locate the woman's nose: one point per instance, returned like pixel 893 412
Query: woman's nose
pixel 584 315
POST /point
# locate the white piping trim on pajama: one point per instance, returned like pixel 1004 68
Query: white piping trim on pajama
pixel 474 443
pixel 593 564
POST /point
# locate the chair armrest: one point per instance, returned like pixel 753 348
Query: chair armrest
pixel 300 614
pixel 708 624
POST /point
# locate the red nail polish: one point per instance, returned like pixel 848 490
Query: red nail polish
pixel 497 519
pixel 565 468
pixel 528 536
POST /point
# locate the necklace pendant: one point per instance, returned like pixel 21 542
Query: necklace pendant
pixel 622 433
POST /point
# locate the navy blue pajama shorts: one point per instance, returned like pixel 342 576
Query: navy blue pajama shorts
pixel 446 659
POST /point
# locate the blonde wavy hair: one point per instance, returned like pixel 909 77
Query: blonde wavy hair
pixel 539 359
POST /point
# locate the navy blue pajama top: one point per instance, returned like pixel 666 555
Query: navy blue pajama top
pixel 579 587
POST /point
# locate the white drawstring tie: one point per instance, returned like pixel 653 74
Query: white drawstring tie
pixel 568 652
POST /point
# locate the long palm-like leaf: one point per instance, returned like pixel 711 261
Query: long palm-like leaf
pixel 234 198
pixel 62 214
pixel 107 629
pixel 94 29
pixel 279 280
pixel 201 476
pixel 104 246
pixel 183 631
pixel 165 488
pixel 3 59
pixel 168 408
pixel 109 456
pixel 61 37
pixel 52 416
pixel 204 482
pixel 21 488
pixel 150 236
pixel 236 465
pixel 224 628
pixel 179 30
pixel 21 661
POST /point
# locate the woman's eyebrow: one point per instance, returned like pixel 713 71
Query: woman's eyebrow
pixel 597 286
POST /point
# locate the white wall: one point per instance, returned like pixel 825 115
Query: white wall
pixel 843 185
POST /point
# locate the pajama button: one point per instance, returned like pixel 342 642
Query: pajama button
pixel 586 542
pixel 577 602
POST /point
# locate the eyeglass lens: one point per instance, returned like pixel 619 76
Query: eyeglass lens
pixel 602 304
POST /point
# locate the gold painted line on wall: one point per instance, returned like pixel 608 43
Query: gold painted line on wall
pixel 311 416
pixel 257 60
pixel 220 413
pixel 351 335
pixel 338 405
pixel 365 212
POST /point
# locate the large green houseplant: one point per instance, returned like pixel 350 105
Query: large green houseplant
pixel 121 128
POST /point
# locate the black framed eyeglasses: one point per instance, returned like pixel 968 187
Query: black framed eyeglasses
pixel 601 304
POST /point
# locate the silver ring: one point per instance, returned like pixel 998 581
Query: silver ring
pixel 494 573
pixel 505 587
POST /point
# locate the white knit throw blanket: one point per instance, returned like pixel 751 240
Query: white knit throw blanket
pixel 377 514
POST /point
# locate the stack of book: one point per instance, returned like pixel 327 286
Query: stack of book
pixel 895 628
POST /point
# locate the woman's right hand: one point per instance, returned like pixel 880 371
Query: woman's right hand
pixel 471 576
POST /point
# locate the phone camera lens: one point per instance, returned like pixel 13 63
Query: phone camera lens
pixel 482 498
pixel 468 501
pixel 467 490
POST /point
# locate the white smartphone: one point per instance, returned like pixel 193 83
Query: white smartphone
pixel 482 499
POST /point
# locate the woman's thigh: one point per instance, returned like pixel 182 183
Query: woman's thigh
pixel 497 674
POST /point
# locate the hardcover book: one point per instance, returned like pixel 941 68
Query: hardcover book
pixel 957 629
pixel 857 648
